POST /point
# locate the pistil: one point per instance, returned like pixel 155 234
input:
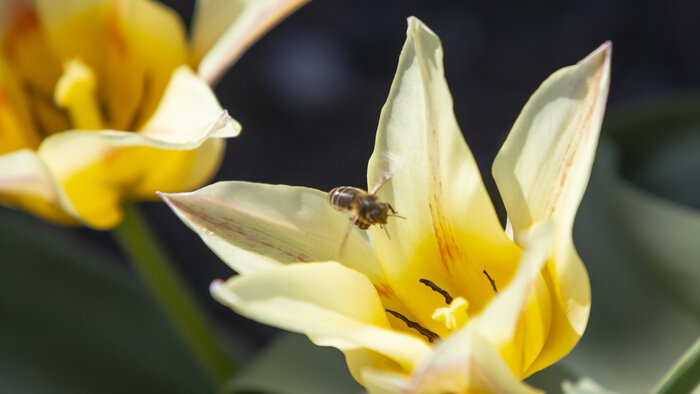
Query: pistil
pixel 75 91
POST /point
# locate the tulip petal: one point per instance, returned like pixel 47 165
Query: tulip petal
pixel 517 321
pixel 223 29
pixel 253 226
pixel 17 130
pixel 143 42
pixel 542 171
pixel 451 231
pixel 466 362
pixel 334 305
pixel 174 152
pixel 26 182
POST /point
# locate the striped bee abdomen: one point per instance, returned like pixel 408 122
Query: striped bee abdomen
pixel 343 198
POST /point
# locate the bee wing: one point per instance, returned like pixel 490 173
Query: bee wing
pixel 389 163
pixel 347 234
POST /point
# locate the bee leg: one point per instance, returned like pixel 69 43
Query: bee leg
pixel 347 234
pixel 387 232
pixel 394 213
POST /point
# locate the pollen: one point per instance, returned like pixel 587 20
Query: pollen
pixel 454 315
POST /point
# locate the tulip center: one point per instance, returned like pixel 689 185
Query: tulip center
pixel 454 315
pixel 75 92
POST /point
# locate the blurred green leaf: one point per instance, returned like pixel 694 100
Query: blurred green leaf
pixel 668 237
pixel 291 364
pixel 637 328
pixel 684 376
pixel 551 378
pixel 73 321
pixel 584 386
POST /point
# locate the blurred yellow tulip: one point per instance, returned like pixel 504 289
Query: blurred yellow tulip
pixel 106 101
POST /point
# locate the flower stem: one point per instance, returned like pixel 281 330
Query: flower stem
pixel 153 265
pixel 683 376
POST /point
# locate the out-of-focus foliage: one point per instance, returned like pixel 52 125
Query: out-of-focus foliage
pixel 637 229
pixel 291 364
pixel 73 321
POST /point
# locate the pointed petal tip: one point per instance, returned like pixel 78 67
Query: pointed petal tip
pixel 416 26
pixel 166 197
pixel 215 287
pixel 171 199
pixel 604 50
pixel 226 126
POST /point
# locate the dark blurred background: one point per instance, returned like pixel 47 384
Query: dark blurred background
pixel 309 93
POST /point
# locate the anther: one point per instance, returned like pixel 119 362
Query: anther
pixel 493 283
pixel 432 337
pixel 437 289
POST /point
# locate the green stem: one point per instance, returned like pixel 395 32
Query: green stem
pixel 152 264
pixel 683 376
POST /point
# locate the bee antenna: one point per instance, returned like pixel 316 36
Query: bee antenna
pixel 395 215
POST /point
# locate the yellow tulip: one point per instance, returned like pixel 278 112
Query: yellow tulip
pixel 106 101
pixel 451 301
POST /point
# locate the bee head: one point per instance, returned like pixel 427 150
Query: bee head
pixel 379 212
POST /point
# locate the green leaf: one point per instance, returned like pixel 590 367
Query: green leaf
pixel 636 326
pixel 550 378
pixel 291 364
pixel 684 376
pixel 666 234
pixel 74 321
pixel 584 386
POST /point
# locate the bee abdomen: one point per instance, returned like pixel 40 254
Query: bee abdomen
pixel 342 197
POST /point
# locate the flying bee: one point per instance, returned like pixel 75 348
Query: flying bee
pixel 366 206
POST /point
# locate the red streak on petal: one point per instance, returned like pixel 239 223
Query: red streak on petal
pixel 574 144
pixel 384 290
pixel 25 24
pixel 245 235
pixel 114 33
pixel 450 254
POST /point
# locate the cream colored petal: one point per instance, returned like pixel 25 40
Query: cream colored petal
pixel 187 103
pixel 465 363
pixel 543 167
pixel 99 169
pixel 362 361
pixel 26 182
pixel 380 381
pixel 253 226
pixel 451 231
pixel 223 29
pixel 334 305
pixel 542 171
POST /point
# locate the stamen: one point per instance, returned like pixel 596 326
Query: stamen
pixel 432 337
pixel 493 283
pixel 75 91
pixel 436 288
